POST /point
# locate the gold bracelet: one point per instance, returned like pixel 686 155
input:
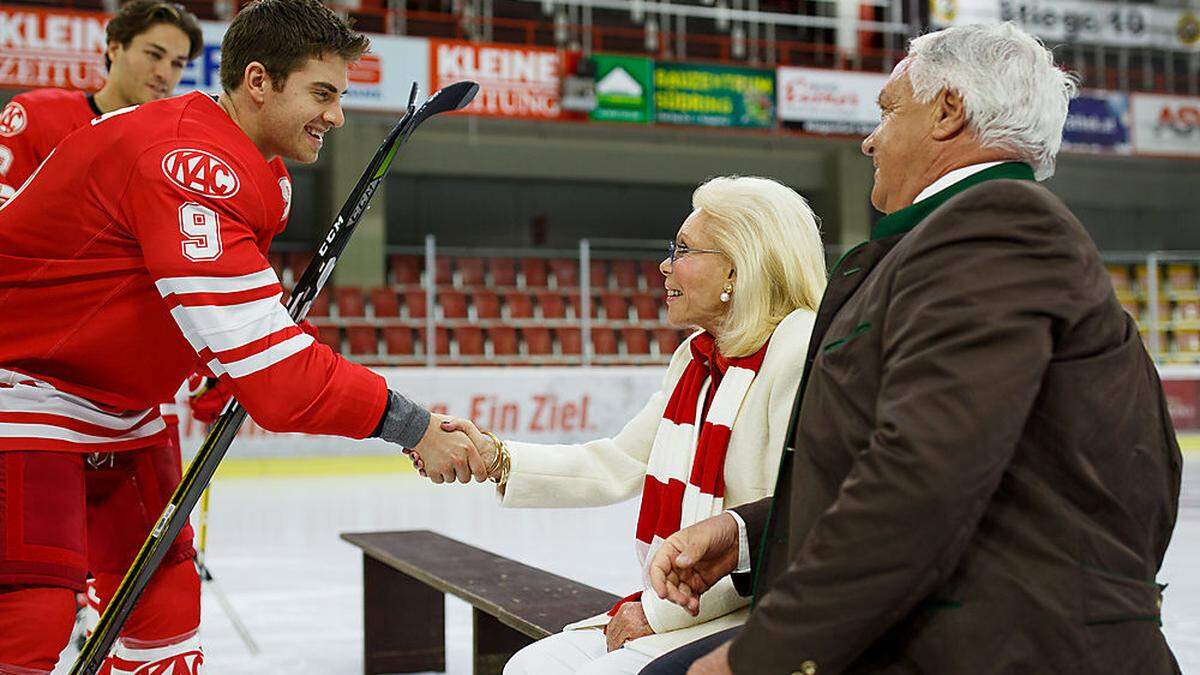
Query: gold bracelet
pixel 505 466
pixel 499 460
pixel 503 460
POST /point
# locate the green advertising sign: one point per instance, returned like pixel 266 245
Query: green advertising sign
pixel 624 88
pixel 714 96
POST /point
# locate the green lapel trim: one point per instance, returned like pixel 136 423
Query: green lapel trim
pixel 841 342
pixel 909 217
pixel 843 257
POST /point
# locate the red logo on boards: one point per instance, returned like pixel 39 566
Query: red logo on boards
pixel 13 119
pixel 201 172
pixel 187 663
pixel 368 69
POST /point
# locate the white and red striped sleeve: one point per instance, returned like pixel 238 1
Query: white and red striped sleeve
pixel 195 214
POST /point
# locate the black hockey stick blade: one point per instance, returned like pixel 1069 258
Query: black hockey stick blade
pixel 200 472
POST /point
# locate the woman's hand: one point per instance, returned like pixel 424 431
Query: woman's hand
pixel 628 624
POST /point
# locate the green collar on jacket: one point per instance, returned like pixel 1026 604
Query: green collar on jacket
pixel 899 222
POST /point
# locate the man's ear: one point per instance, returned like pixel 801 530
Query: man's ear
pixel 949 115
pixel 256 81
pixel 114 48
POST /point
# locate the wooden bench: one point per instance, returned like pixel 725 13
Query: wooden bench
pixel 406 576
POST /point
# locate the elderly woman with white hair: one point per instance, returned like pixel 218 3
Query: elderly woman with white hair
pixel 747 269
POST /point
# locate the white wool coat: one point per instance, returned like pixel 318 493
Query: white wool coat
pixel 611 470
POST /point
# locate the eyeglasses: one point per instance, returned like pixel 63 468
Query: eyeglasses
pixel 677 250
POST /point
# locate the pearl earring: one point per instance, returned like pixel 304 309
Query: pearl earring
pixel 726 294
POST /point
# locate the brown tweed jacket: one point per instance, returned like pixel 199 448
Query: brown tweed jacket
pixel 982 476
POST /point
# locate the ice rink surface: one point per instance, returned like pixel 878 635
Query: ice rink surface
pixel 273 546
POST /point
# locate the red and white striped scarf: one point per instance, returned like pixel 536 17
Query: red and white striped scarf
pixel 685 479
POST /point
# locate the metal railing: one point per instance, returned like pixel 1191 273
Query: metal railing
pixel 584 319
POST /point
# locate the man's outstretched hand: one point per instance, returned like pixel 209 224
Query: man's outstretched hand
pixel 690 561
pixel 446 455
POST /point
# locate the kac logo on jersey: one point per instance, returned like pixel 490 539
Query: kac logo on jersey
pixel 285 191
pixel 187 663
pixel 201 172
pixel 13 119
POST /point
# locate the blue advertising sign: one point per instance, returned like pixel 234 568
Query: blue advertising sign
pixel 1098 121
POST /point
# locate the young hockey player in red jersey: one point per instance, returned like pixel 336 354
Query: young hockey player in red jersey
pixel 149 44
pixel 162 215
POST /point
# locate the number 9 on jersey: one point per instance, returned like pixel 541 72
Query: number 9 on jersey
pixel 201 228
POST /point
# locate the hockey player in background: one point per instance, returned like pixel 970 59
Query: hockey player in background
pixel 149 44
pixel 161 218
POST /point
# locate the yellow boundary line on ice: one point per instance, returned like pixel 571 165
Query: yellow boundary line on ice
pixel 1189 442
pixel 276 467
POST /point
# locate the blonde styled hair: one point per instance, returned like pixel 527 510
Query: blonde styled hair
pixel 774 241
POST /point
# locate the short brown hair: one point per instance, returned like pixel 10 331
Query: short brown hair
pixel 139 16
pixel 282 35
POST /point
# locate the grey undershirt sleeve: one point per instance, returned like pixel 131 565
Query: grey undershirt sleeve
pixel 404 422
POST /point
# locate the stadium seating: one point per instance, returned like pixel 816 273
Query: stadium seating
pixel 362 340
pixel 604 341
pixel 652 278
pixel 535 272
pixel 384 303
pixel 398 341
pixel 442 337
pixel 454 304
pixel 616 307
pixel 445 270
pixel 504 272
pixel 637 341
pixel 551 305
pixel 537 341
pixel 470 272
pixel 406 269
pixel 504 341
pixel 1187 341
pixel 1181 277
pixel 320 306
pixel 520 311
pixel 415 304
pixel 646 307
pixel 349 300
pixel 469 340
pixel 625 275
pixel 566 272
pixel 667 340
pixel 569 341
pixel 575 301
pixel 520 305
pixel 487 305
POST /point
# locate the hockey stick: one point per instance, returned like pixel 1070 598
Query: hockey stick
pixel 202 468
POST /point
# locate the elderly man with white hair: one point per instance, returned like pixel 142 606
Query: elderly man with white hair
pixel 981 475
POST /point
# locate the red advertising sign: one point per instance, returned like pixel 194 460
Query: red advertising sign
pixel 1182 399
pixel 51 48
pixel 513 81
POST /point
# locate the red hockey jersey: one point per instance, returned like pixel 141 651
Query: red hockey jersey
pixel 137 251
pixel 31 125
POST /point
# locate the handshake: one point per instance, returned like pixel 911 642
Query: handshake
pixel 455 449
